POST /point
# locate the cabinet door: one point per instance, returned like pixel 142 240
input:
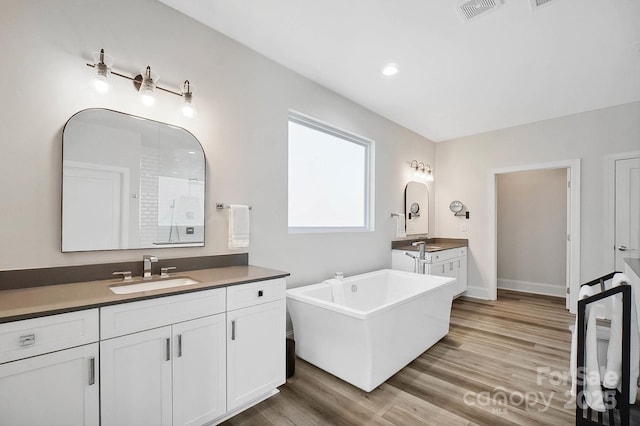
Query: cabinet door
pixel 462 273
pixel 199 370
pixel 438 268
pixel 60 388
pixel 136 379
pixel 255 351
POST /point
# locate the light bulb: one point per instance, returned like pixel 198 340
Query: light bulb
pixel 101 84
pixel 188 110
pixel 147 98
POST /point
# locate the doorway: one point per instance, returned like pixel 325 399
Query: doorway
pixel 532 232
pixel 573 225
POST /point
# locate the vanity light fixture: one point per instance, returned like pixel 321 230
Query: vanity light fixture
pixel 145 83
pixel 422 171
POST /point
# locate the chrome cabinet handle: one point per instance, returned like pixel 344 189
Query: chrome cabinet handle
pixel 233 330
pixel 625 248
pixel 168 348
pixel 443 268
pixel 27 340
pixel 92 371
pixel 179 345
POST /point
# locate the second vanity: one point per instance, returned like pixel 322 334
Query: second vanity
pixel 79 354
pixel 443 256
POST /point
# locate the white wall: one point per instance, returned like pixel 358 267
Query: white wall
pixel 465 164
pixel 531 230
pixel 243 101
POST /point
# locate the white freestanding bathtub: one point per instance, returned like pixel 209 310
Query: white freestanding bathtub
pixel 365 328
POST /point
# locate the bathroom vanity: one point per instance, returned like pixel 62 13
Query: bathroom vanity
pixel 80 354
pixel 443 257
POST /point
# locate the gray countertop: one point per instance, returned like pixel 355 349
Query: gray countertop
pixel 431 244
pixel 31 302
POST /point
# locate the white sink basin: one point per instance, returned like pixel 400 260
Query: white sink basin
pixel 138 286
pixel 432 247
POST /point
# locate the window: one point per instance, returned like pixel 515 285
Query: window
pixel 330 178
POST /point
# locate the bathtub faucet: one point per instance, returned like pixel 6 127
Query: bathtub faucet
pixel 419 261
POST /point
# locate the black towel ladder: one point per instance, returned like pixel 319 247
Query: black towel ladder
pixel 618 413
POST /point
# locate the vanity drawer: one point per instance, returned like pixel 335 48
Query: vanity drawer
pixel 31 337
pixel 127 318
pixel 243 295
pixel 439 256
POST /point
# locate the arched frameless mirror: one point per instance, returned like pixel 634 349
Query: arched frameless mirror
pixel 416 208
pixel 129 183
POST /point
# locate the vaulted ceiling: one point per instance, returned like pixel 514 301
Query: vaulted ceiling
pixel 509 66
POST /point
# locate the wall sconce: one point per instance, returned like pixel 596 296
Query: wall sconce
pixel 145 83
pixel 422 171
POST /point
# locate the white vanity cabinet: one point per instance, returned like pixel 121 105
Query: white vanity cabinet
pixel 49 370
pixel 256 333
pixel 449 263
pixel 193 358
pixel 170 369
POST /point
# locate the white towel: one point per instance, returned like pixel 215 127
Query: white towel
pixel 614 351
pixel 401 231
pixel 592 390
pixel 238 226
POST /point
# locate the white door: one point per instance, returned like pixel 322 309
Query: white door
pixel 627 214
pixel 91 206
pixel 199 370
pixel 60 388
pixel 136 379
pixel 255 351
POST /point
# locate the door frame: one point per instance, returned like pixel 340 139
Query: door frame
pixel 573 254
pixel 610 200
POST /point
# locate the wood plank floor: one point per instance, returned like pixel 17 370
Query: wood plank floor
pixel 503 362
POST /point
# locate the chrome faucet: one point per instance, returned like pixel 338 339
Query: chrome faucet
pixel 147 260
pixel 420 260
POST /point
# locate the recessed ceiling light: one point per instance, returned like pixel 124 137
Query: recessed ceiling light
pixel 390 70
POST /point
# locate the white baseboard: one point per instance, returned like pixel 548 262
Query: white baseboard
pixel 558 290
pixel 477 293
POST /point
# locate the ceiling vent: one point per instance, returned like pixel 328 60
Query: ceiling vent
pixel 535 4
pixel 471 9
